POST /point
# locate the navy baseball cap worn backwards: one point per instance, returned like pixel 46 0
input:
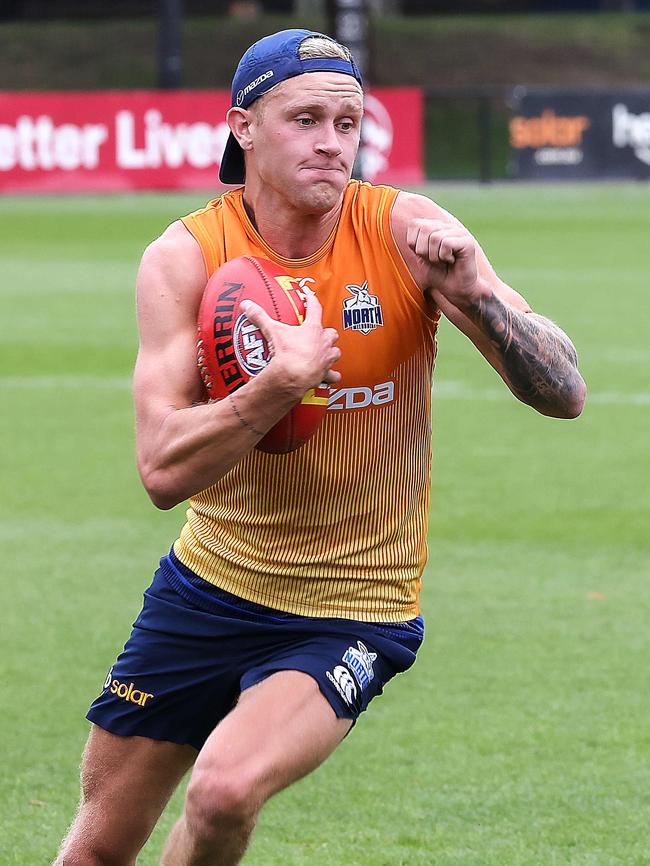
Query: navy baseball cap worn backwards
pixel 268 62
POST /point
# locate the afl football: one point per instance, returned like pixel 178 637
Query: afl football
pixel 231 349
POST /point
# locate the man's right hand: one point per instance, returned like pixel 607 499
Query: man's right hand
pixel 302 356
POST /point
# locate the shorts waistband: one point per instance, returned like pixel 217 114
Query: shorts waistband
pixel 208 597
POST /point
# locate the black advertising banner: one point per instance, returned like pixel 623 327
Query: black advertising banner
pixel 556 134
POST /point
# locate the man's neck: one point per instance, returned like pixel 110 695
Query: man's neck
pixel 292 234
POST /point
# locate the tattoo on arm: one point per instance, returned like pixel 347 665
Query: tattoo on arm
pixel 539 361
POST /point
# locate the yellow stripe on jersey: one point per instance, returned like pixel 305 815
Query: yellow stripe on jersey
pixel 338 527
pixel 311 398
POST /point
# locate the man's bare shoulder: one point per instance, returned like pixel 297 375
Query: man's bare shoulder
pixel 170 285
pixel 174 257
pixel 410 205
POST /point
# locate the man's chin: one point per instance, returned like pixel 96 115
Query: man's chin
pixel 323 195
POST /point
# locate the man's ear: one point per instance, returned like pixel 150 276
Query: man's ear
pixel 239 120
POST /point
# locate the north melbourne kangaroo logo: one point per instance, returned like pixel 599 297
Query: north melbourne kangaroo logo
pixel 360 661
pixel 362 312
pixel 354 674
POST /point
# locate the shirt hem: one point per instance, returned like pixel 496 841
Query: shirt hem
pixel 227 584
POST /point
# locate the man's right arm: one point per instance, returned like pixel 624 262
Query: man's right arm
pixel 183 444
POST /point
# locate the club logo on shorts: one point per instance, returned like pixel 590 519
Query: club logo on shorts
pixel 360 663
pixel 107 681
pixel 343 682
pixel 356 670
pixel 362 312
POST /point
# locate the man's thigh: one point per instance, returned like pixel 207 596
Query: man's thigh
pixel 126 782
pixel 281 729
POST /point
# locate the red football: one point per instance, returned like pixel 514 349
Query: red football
pixel 231 349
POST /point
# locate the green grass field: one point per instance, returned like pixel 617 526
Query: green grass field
pixel 521 737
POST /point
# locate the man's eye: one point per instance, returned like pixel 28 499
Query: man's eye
pixel 305 121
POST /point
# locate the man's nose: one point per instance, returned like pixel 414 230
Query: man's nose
pixel 328 141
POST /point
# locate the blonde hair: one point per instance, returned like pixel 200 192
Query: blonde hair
pixel 311 48
pixel 320 46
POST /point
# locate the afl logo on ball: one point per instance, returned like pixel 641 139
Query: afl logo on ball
pixel 250 347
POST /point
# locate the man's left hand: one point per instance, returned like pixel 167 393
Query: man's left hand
pixel 450 252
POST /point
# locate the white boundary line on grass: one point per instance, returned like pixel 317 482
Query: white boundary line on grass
pixel 66 381
pixel 449 390
pixel 445 390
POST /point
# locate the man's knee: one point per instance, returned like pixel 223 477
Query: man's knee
pixel 220 799
pixel 90 858
pixel 84 851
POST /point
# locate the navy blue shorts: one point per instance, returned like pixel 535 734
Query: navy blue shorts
pixel 194 648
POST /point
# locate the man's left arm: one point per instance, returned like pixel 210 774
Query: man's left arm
pixel 534 357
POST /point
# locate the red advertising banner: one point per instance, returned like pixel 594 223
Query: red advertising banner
pixel 148 139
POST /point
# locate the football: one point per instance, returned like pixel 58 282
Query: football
pixel 231 349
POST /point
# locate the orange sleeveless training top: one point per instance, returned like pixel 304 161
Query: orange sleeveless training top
pixel 338 527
